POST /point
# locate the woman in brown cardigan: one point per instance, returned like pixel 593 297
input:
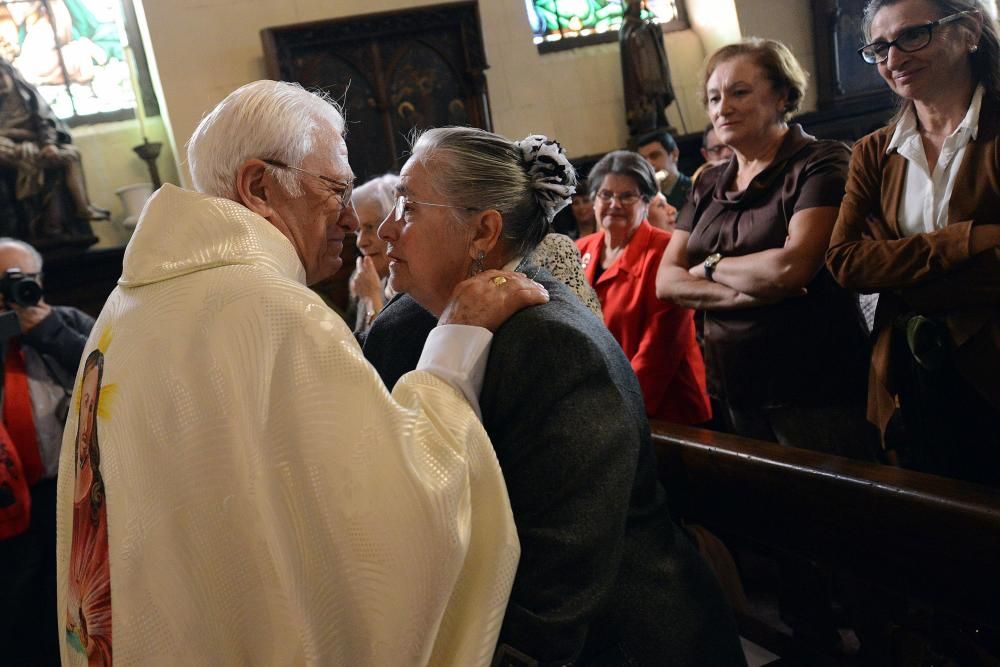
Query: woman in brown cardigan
pixel 919 226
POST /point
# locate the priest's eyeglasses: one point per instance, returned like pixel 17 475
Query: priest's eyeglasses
pixel 908 41
pixel 342 190
pixel 399 208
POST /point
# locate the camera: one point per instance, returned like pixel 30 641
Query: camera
pixel 20 288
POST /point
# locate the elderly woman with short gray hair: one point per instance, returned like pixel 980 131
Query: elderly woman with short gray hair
pixel 369 291
pixel 620 261
pixel 605 577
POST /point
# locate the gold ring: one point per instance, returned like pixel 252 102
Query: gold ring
pixel 499 280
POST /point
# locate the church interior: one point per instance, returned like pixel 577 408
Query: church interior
pixel 823 559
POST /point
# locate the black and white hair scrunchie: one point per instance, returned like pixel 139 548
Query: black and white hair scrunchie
pixel 553 177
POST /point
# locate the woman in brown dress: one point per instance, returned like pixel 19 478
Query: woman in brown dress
pixel 784 348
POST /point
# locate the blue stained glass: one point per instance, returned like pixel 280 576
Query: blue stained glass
pixel 552 20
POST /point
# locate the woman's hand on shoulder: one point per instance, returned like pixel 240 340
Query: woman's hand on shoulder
pixel 490 298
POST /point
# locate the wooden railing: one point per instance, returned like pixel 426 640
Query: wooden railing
pixel 914 541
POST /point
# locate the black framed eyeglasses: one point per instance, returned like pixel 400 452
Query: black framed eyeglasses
pixel 908 41
pixel 343 190
pixel 399 207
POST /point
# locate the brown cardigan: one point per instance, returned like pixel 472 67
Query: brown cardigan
pixel 931 273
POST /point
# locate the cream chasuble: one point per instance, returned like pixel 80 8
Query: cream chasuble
pixel 237 487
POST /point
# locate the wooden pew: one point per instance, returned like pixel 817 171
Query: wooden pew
pixel 912 540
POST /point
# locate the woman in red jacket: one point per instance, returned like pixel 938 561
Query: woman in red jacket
pixel 620 261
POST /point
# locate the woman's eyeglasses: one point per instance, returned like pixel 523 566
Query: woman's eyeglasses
pixel 399 208
pixel 908 41
pixel 624 198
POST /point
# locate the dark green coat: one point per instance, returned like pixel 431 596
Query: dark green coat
pixel 605 575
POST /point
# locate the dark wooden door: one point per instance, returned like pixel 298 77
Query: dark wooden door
pixel 394 72
pixel 853 98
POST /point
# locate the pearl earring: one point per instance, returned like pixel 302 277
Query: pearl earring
pixel 973 48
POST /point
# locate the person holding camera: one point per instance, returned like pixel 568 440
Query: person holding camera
pixel 42 346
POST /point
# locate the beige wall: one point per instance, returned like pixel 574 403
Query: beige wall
pixel 203 49
pixel 109 163
pixel 789 21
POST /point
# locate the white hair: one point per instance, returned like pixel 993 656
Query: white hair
pixel 26 247
pixel 381 190
pixel 476 169
pixel 273 120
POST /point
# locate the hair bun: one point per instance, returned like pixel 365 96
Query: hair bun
pixel 553 177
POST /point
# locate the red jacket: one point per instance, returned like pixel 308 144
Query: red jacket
pixel 657 337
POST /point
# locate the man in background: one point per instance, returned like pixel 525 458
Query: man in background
pixel 712 149
pixel 40 364
pixel 660 150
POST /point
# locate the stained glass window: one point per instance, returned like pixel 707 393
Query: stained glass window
pixel 557 20
pixel 73 51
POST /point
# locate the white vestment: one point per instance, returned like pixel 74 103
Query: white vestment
pixel 267 501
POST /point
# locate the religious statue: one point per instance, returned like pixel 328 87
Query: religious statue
pixel 43 196
pixel 645 72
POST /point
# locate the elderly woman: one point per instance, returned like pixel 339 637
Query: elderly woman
pixel 368 284
pixel 605 577
pixel 919 225
pixel 784 346
pixel 621 261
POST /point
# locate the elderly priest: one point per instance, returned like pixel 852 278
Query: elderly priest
pixel 236 484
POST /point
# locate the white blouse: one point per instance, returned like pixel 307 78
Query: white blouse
pixel 926 190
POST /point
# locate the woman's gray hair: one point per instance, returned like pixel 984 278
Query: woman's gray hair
pixel 381 190
pixel 480 170
pixel 624 163
pixel 273 120
pixel 985 61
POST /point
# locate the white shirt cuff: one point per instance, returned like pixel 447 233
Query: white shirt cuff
pixel 457 353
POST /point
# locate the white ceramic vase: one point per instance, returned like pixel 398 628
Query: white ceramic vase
pixel 133 199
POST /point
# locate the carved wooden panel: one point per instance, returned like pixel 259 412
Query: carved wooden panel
pixel 394 72
pixel 842 74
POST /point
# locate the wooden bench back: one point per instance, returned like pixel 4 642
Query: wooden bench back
pixel 916 536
